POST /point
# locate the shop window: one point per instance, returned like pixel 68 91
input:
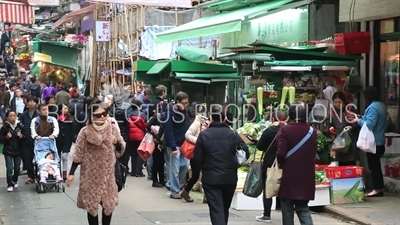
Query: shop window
pixel 390 70
pixel 387 26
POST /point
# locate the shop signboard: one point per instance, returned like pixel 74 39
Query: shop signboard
pixel 103 31
pixel 285 28
pixel 44 2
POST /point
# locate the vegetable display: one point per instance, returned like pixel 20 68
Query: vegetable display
pixel 321 141
pixel 254 130
pixel 260 100
pixel 292 95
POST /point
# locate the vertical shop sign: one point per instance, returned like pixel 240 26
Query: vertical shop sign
pixel 103 31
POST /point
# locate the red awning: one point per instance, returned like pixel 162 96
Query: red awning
pixel 14 12
pixel 73 16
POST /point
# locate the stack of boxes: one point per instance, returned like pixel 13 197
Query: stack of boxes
pixel 347 185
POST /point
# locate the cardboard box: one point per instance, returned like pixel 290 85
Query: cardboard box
pixel 350 190
pixel 242 202
pixel 322 196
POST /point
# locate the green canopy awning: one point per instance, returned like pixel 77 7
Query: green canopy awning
pixel 207 75
pixel 311 63
pixel 158 67
pixel 221 23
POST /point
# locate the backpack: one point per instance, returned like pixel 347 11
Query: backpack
pixel 35 91
pixel 49 120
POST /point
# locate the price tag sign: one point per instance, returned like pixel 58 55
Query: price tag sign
pixel 103 29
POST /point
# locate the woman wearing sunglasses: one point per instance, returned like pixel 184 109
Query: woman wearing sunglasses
pixel 97 148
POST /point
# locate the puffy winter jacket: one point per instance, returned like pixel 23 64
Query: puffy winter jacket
pixel 136 126
pixel 13 145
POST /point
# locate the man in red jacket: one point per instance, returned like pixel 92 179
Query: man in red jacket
pixel 136 130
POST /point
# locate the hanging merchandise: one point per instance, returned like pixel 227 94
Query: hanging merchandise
pixel 352 42
pixel 288 88
pixel 353 83
pixel 260 92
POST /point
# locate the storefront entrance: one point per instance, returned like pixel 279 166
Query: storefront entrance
pixel 389 65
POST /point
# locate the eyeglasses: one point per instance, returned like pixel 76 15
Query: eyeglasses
pixel 99 115
pixel 185 103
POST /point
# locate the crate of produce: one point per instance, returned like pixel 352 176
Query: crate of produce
pixel 344 191
pixel 340 172
pixel 353 43
pixel 320 167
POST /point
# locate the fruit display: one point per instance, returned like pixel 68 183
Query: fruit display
pixel 22 56
pixel 273 95
pixel 308 98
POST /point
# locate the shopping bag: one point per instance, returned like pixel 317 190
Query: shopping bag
pixel 366 140
pixel 342 142
pixel 273 182
pixel 253 185
pixel 353 83
pixel 146 147
pixel 187 149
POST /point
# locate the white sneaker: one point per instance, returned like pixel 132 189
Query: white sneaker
pixel 10 189
pixel 263 218
pixel 16 185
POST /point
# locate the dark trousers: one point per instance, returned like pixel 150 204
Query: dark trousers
pixel 347 163
pixel 94 220
pixel 27 153
pixel 219 199
pixel 289 206
pixel 158 166
pixel 267 202
pixel 374 164
pixel 124 159
pixel 136 161
pixel 195 167
pixel 13 167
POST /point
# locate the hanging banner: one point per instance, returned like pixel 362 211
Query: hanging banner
pixel 44 2
pixel 156 3
pixel 103 31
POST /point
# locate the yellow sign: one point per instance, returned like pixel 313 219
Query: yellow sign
pixel 37 56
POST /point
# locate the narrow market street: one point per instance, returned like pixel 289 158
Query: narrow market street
pixel 140 204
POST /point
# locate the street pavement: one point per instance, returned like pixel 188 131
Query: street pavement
pixel 139 204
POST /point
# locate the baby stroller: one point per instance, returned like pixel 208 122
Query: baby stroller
pixel 42 148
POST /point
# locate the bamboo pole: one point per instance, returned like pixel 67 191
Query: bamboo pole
pixel 94 54
pixel 130 49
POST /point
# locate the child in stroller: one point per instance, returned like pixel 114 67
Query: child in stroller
pixel 48 166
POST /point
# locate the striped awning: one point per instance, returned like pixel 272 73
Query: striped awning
pixel 16 13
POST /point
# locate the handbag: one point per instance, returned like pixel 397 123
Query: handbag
pixel 121 172
pixel 253 185
pixel 146 147
pixel 187 148
pixel 274 173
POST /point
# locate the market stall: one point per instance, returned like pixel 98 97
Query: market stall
pixel 275 77
pixel 180 75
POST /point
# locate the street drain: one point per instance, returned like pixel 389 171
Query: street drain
pixel 207 215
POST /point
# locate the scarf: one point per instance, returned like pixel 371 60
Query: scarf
pixel 100 129
pixel 63 118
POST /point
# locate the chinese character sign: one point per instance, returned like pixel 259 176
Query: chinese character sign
pixel 103 29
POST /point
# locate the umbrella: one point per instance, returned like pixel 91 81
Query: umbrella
pixel 12 27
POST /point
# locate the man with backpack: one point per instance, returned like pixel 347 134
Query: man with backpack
pixel 34 88
pixel 44 125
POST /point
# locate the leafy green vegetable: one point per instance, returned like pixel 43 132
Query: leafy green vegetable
pixel 321 141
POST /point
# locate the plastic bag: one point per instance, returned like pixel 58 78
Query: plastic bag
pixel 253 185
pixel 273 182
pixel 342 142
pixel 366 140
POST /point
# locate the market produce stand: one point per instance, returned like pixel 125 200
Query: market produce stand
pixel 274 77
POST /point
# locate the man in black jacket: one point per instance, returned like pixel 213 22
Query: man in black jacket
pixel 156 160
pixel 27 145
pixel 215 152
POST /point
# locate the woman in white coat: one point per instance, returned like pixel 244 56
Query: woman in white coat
pixel 199 124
